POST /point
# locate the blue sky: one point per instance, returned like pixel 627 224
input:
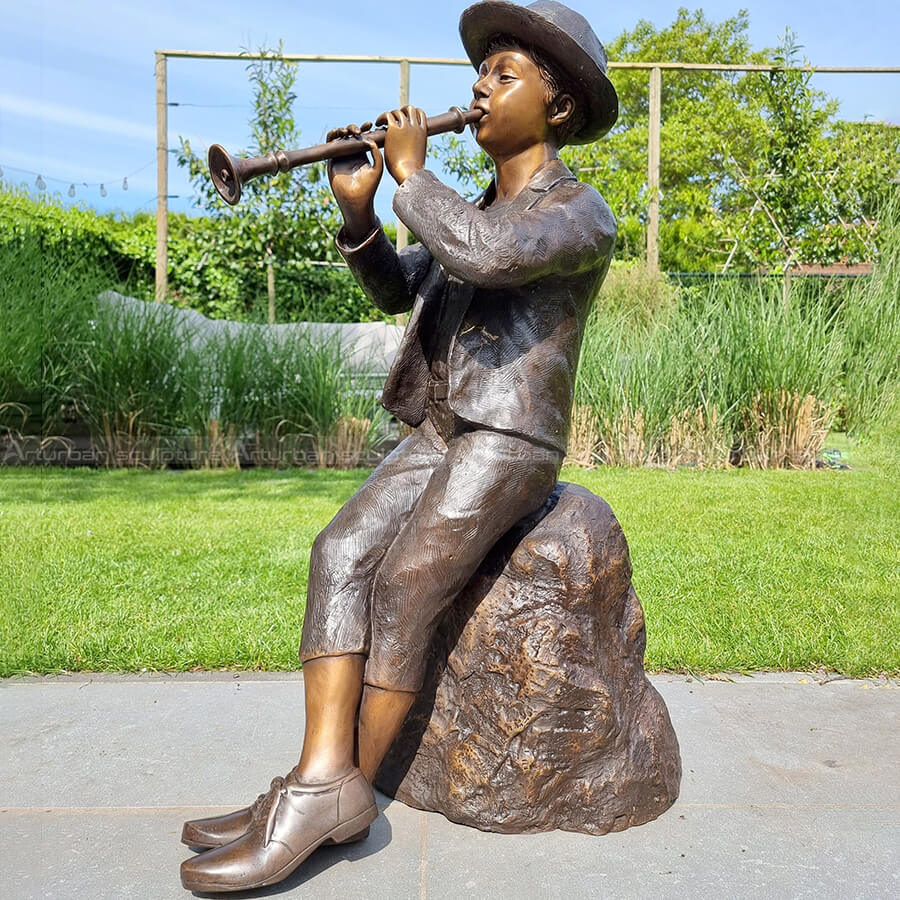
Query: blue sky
pixel 77 89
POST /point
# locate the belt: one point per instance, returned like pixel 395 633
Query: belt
pixel 438 391
pixel 442 417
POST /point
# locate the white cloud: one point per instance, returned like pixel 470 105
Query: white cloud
pixel 56 114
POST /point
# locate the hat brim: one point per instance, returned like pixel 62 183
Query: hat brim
pixel 480 23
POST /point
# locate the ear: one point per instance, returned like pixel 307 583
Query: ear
pixel 561 109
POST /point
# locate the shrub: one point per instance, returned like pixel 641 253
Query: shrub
pixel 208 271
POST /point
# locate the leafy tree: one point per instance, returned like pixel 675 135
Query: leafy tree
pixel 815 183
pixel 706 116
pixel 868 157
pixel 728 139
pixel 790 205
pixel 281 223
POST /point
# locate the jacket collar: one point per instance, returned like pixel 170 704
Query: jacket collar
pixel 545 179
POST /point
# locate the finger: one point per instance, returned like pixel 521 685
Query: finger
pixel 397 118
pixel 422 119
pixel 338 133
pixel 382 120
pixel 377 158
pixel 366 126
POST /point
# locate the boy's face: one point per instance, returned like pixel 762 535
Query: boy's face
pixel 515 99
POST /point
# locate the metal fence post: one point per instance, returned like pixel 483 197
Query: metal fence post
pixel 653 168
pixel 162 180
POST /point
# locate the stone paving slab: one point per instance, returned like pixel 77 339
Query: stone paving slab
pixel 791 789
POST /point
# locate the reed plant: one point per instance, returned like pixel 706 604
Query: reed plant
pixel 871 333
pixel 732 373
pixel 738 371
pixel 137 382
pixel 279 402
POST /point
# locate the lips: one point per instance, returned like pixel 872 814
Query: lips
pixel 484 113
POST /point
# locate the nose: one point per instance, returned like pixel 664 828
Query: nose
pixel 480 88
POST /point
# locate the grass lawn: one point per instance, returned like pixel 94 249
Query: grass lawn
pixel 737 570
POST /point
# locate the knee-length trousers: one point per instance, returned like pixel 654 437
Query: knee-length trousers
pixel 396 555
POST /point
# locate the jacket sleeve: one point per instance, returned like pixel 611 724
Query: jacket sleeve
pixel 390 279
pixel 565 235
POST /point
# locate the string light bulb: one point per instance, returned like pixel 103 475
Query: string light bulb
pixel 40 182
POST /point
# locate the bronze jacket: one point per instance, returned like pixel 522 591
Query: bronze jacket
pixel 527 270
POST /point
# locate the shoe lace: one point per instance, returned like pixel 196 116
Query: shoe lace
pixel 265 807
pixel 260 804
pixel 273 812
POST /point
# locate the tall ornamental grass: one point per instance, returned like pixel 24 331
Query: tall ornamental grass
pixel 152 395
pixel 739 372
pixel 871 335
pixel 45 313
pixel 137 383
pixel 292 402
pixel 149 394
pixel 732 374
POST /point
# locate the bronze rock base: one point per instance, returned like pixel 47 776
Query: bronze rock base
pixel 536 713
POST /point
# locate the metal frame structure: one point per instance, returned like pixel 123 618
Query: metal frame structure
pixel 404 63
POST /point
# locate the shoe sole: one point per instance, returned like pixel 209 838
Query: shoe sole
pixel 342 834
pixel 200 845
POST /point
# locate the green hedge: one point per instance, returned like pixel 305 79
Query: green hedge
pixel 207 270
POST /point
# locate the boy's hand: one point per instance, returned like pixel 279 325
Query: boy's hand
pixel 405 141
pixel 354 182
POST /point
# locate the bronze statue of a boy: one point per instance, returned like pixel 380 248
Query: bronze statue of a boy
pixel 499 291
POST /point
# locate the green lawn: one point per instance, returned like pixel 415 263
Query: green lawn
pixel 737 570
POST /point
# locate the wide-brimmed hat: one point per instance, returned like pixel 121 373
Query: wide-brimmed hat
pixel 565 36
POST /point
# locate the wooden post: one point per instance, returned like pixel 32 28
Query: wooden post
pixel 402 231
pixel 270 286
pixel 162 181
pixel 653 168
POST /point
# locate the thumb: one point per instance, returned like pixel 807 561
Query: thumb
pixel 377 158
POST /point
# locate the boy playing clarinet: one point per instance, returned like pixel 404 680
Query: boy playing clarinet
pixel 499 293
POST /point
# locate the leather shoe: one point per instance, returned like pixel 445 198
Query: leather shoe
pixel 216 831
pixel 292 821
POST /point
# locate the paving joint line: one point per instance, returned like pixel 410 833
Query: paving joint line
pixel 423 856
pixel 423 828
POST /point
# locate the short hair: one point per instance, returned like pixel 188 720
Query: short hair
pixel 552 76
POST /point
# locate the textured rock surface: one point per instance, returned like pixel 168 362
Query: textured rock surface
pixel 536 713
